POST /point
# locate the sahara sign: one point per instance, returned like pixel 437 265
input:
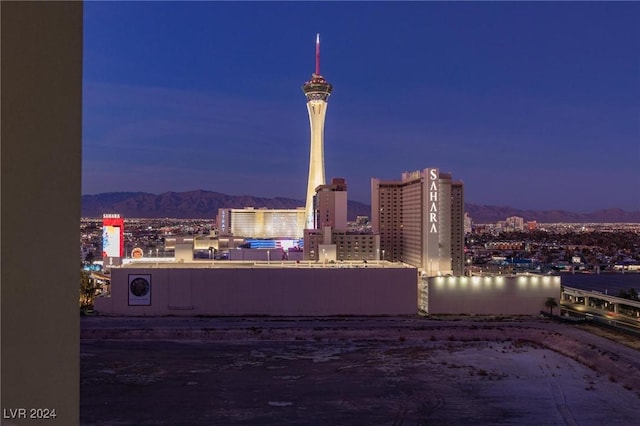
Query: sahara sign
pixel 433 201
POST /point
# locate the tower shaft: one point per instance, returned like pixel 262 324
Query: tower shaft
pixel 317 111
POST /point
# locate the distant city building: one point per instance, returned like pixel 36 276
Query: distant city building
pixel 331 241
pixel 317 91
pixel 532 225
pixel 362 220
pixel 505 245
pixel 482 229
pixel 468 224
pixel 514 224
pixel 261 223
pixel 331 205
pixel 171 241
pixel 420 219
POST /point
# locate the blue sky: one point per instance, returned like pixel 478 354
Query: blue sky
pixel 531 105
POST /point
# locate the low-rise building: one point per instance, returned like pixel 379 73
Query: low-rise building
pixel 331 240
pixel 260 288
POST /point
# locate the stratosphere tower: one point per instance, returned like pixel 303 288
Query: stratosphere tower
pixel 317 91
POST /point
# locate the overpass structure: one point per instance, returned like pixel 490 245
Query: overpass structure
pixel 596 305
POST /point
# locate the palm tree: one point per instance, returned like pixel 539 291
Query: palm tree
pixel 551 303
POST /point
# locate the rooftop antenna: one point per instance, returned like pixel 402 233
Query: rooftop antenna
pixel 318 54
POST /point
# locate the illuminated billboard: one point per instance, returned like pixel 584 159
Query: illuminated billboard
pixel 112 236
pixel 137 253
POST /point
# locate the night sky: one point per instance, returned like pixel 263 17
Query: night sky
pixel 531 105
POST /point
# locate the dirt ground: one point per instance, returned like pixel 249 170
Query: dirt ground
pixel 353 371
pixel 633 341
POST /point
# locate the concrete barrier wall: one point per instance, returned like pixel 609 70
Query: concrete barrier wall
pixel 516 295
pixel 266 291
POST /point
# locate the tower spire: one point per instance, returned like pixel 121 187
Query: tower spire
pixel 317 53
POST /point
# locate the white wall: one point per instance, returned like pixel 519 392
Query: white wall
pixel 267 291
pixel 506 295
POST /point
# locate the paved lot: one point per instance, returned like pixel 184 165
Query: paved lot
pixel 352 371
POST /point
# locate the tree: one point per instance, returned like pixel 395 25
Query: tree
pixel 551 303
pixel 88 290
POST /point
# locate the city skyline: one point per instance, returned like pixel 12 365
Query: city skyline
pixel 530 105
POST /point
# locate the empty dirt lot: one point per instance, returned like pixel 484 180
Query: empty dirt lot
pixel 353 371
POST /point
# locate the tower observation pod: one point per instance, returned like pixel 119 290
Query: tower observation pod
pixel 317 91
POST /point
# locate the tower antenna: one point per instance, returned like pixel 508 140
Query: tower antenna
pixel 318 54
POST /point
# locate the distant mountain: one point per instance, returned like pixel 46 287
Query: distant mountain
pixel 189 205
pixel 493 214
pixel 205 204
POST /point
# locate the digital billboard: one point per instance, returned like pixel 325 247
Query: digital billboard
pixel 112 236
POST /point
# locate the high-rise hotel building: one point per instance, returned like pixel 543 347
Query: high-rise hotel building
pixel 330 205
pixel 420 219
pixel 317 91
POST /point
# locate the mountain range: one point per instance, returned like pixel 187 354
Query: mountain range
pixel 205 204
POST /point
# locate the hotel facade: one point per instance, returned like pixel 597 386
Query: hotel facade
pixel 261 223
pixel 420 220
